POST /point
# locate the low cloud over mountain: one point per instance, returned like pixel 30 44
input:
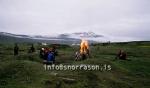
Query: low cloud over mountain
pixel 61 38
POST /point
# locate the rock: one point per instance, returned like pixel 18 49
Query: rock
pixel 68 80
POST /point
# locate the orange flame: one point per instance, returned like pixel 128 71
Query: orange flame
pixel 84 46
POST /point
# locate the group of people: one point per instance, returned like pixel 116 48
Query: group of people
pixel 16 49
pixel 121 55
pixel 31 49
pixel 48 55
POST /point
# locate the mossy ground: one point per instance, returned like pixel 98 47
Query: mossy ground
pixel 27 71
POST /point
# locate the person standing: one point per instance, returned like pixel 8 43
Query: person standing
pixel 50 57
pixel 16 49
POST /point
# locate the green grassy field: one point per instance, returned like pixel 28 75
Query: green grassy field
pixel 27 71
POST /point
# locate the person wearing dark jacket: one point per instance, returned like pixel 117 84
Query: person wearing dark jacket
pixel 16 49
pixel 45 55
pixel 42 53
pixel 32 49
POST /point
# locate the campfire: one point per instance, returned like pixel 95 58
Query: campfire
pixel 84 47
pixel 84 50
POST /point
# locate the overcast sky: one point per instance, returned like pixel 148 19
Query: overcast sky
pixel 120 18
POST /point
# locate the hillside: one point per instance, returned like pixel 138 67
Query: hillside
pixel 27 71
pixel 59 39
pixel 13 38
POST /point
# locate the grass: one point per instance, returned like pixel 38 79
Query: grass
pixel 26 70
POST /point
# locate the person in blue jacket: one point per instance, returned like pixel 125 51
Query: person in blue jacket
pixel 50 57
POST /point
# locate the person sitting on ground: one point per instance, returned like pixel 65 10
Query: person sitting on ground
pixel 16 49
pixel 88 53
pixel 51 57
pixel 121 55
pixel 83 56
pixel 77 56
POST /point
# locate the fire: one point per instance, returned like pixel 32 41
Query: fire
pixel 84 47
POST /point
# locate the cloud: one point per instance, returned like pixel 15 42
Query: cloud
pixel 128 18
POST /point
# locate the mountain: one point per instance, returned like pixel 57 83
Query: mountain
pixel 78 35
pixel 66 38
pixel 12 38
pixel 60 38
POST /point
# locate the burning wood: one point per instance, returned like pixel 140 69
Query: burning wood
pixel 84 47
pixel 84 50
